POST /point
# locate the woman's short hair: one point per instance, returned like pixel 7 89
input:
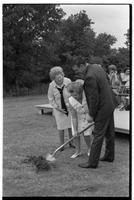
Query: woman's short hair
pixel 75 86
pixel 81 81
pixel 55 71
pixel 112 67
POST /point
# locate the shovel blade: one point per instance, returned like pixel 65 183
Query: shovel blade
pixel 50 157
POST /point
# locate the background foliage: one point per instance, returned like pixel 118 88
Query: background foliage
pixel 37 37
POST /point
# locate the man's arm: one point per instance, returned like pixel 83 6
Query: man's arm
pixel 92 95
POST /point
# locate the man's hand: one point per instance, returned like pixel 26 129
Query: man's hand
pixel 89 119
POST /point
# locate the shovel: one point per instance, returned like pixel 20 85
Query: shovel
pixel 51 158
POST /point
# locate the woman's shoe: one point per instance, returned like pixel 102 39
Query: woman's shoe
pixel 76 155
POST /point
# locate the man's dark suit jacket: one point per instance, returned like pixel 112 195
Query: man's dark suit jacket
pixel 98 93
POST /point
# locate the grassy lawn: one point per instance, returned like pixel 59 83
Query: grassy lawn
pixel 28 133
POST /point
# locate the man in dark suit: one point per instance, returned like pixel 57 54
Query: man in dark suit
pixel 101 107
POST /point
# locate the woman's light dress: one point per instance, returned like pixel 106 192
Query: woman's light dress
pixel 62 120
pixel 82 115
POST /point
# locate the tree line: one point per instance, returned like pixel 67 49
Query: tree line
pixel 37 37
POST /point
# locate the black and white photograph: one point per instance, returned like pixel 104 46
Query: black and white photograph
pixel 66 99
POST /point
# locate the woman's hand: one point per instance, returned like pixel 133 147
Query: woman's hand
pixel 75 133
pixel 61 110
pixel 70 108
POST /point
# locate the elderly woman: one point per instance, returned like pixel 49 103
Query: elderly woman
pixel 58 98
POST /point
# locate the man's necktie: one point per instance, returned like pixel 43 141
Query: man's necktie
pixel 63 105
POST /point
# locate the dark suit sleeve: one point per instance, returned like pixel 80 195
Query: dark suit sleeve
pixel 92 95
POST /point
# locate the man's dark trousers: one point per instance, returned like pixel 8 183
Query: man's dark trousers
pixel 103 128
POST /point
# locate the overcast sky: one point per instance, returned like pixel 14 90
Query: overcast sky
pixel 112 19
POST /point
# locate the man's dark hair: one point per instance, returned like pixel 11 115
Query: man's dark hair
pixel 78 60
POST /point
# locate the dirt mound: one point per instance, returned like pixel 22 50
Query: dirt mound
pixel 39 162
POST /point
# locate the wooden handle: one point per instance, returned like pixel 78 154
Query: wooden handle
pixel 72 138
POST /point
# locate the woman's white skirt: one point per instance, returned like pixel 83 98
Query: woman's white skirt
pixel 62 121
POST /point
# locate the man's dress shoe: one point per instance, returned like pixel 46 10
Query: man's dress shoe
pixel 106 159
pixel 87 165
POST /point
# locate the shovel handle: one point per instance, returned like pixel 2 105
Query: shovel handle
pixel 79 133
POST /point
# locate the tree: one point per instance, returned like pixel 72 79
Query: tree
pixel 103 44
pixel 25 29
pixel 36 38
pixel 77 37
pixel 123 57
pixel 127 39
pixel 119 57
